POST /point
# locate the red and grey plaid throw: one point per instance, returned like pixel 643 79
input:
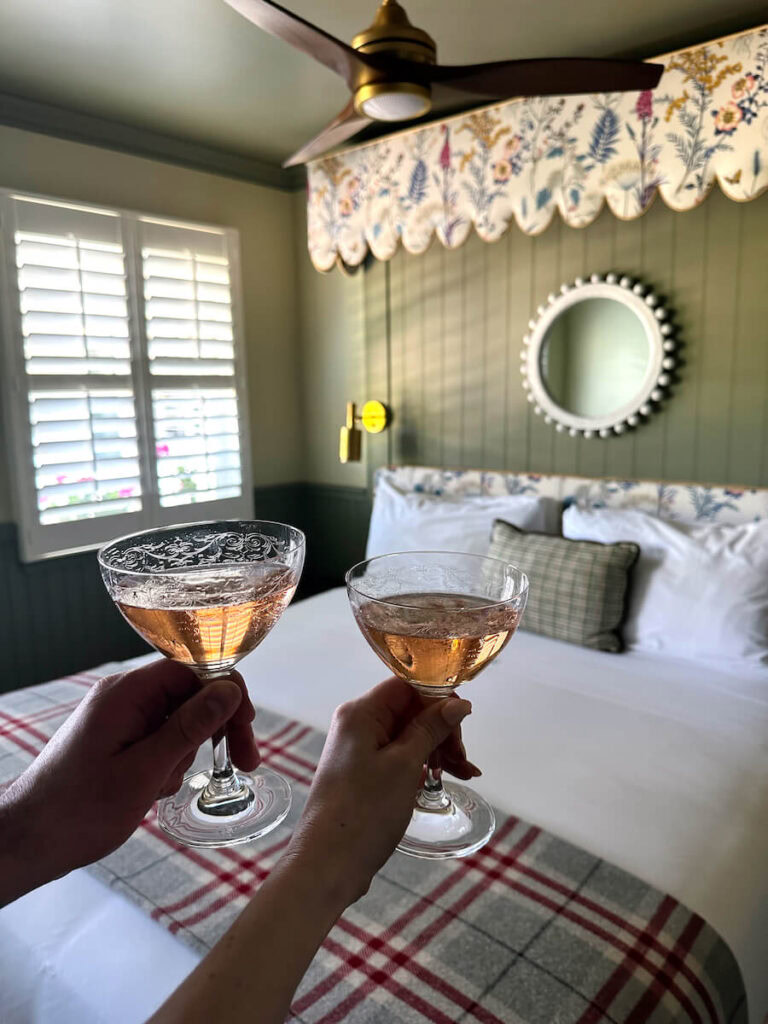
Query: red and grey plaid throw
pixel 530 930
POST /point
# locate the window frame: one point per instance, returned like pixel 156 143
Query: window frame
pixel 38 541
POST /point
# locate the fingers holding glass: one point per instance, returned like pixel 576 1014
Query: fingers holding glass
pixel 437 619
pixel 205 595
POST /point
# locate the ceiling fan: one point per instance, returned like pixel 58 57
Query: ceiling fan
pixel 392 73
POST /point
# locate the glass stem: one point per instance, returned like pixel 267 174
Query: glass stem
pixel 225 792
pixel 432 796
pixel 223 778
pixel 433 778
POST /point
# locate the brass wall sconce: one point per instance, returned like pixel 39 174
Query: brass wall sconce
pixel 374 417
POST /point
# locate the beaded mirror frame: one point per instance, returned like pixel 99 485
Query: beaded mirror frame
pixel 660 334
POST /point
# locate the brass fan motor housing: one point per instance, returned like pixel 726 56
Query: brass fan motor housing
pixel 392 35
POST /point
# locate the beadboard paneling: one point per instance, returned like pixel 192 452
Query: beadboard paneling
pixel 444 330
pixel 56 617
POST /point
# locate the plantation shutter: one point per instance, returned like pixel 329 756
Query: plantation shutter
pixel 190 344
pixel 124 382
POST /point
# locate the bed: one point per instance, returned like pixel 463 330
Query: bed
pixel 658 769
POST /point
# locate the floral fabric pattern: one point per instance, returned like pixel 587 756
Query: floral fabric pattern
pixel 683 503
pixel 522 161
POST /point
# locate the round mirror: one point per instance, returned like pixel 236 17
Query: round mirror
pixel 598 356
pixel 594 357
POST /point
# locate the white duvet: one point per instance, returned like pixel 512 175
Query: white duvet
pixel 657 766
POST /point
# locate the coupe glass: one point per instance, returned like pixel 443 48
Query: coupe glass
pixel 206 595
pixel 436 619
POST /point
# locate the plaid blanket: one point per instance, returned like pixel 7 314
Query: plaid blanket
pixel 530 930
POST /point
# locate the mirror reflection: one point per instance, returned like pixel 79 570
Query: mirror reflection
pixel 594 357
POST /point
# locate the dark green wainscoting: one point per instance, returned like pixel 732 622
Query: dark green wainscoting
pixel 56 618
pixel 335 520
pixel 337 529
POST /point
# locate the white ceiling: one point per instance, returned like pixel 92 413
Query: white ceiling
pixel 195 70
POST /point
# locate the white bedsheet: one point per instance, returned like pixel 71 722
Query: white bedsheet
pixel 658 767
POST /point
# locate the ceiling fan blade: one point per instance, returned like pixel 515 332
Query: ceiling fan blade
pixel 546 77
pixel 341 128
pixel 308 38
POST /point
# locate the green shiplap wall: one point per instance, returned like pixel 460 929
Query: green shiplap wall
pixel 444 329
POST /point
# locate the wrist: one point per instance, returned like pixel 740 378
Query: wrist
pixel 322 872
pixel 26 859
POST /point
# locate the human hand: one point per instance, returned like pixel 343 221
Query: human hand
pixel 364 789
pixel 129 742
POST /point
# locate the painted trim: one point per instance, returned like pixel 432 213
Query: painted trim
pixel 62 123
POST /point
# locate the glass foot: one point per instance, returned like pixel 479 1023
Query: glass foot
pixel 452 827
pixel 263 802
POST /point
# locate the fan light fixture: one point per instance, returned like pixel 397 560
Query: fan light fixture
pixel 392 101
pixel 379 96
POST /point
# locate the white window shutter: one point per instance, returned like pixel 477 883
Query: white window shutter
pixel 197 396
pixel 124 376
pixel 85 454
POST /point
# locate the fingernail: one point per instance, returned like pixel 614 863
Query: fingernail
pixel 453 711
pixel 476 773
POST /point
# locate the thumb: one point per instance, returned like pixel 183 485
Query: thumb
pixel 431 727
pixel 195 721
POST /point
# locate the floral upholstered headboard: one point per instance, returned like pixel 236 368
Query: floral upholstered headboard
pixel 682 502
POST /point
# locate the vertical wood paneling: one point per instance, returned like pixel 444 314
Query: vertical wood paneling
pixel 656 270
pixel 451 379
pixel 379 311
pixel 519 286
pixel 545 279
pixel 11 651
pixel 496 354
pixel 398 346
pixel 572 263
pixel 431 354
pixel 474 338
pixel 722 260
pixel 458 319
pixel 411 287
pixel 593 455
pixel 619 452
pixel 56 617
pixel 748 392
pixel 690 242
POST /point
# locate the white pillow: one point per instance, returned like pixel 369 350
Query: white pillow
pixel 697 592
pixel 424 522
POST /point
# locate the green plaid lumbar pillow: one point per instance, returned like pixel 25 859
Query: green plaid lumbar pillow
pixel 578 589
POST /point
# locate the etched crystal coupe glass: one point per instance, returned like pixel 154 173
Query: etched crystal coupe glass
pixel 206 595
pixel 436 619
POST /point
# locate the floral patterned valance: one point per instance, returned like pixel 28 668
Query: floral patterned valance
pixel 707 120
